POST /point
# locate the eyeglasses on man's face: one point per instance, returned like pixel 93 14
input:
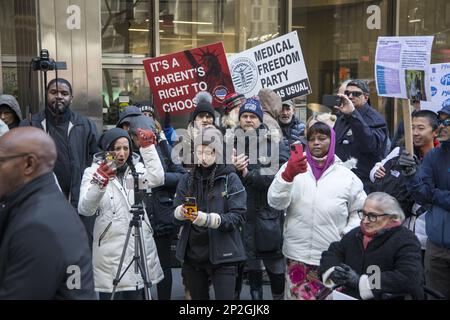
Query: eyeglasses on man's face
pixel 353 93
pixel 371 216
pixel 445 123
pixel 7 158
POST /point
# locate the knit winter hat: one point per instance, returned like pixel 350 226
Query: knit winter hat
pixel 108 138
pixel 233 100
pixel 203 107
pixel 252 105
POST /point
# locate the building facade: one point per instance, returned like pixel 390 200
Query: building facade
pixel 103 43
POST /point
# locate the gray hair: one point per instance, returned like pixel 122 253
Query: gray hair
pixel 388 204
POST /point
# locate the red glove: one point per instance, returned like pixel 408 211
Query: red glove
pixel 102 176
pixel 146 138
pixel 294 166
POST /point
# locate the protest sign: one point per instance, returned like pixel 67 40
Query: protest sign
pixel 402 67
pixel 176 78
pixel 277 64
pixel 440 88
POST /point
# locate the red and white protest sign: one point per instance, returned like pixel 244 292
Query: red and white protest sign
pixel 176 78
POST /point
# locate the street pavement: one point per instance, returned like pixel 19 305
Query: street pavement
pixel 178 289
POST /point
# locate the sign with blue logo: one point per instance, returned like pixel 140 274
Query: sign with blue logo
pixel 277 64
pixel 440 88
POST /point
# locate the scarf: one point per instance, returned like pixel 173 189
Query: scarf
pixel 368 236
pixel 329 158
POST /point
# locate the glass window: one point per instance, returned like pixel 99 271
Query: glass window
pixel 8 63
pixel 431 17
pixel 122 87
pixel 186 24
pixel 126 27
pixel 338 42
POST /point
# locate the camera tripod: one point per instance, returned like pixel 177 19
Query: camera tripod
pixel 140 255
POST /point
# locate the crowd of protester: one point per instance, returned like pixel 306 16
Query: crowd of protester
pixel 322 206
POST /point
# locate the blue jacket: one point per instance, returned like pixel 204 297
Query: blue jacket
pixel 431 185
pixel 361 135
pixel 293 130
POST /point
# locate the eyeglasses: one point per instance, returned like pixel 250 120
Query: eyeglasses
pixel 353 93
pixel 7 158
pixel 372 216
pixel 444 123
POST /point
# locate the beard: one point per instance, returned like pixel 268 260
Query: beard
pixel 58 108
pixel 285 120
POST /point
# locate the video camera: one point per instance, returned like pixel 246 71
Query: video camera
pixel 45 63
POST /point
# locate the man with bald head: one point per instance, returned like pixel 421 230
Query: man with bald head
pixel 44 251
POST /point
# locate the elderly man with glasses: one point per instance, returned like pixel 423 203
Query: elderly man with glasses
pixel 44 251
pixel 379 259
pixel 361 132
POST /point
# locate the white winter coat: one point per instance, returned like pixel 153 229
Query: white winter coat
pixel 318 212
pixel 113 204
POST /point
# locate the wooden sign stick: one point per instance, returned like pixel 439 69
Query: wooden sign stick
pixel 407 120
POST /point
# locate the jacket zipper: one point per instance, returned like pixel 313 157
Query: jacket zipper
pixel 104 234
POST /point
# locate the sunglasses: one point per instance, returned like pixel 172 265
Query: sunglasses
pixel 373 217
pixel 444 123
pixel 353 93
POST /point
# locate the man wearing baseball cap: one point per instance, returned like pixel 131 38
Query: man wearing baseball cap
pixel 292 128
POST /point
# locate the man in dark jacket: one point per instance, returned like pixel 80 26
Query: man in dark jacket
pixel 361 132
pixel 75 138
pixel 431 186
pixel 10 111
pixel 44 252
pixel 257 165
pixel 292 128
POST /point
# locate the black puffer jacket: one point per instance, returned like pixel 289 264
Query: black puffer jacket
pixel 395 251
pixel 262 231
pixel 43 246
pixel 159 204
pixel 228 199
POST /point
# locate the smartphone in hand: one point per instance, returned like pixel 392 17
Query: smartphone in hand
pixel 296 151
pixel 190 204
pixel 331 100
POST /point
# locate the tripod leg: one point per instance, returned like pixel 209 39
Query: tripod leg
pixel 122 257
pixel 143 261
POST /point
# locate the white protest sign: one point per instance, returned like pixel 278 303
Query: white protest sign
pixel 440 88
pixel 402 66
pixel 277 64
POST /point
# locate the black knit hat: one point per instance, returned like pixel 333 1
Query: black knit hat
pixel 203 107
pixel 107 139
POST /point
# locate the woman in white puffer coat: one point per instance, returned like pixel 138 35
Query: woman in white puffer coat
pixel 321 197
pixel 110 194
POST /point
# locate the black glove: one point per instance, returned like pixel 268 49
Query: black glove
pixel 407 163
pixel 351 277
pixel 338 276
pixel 167 120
